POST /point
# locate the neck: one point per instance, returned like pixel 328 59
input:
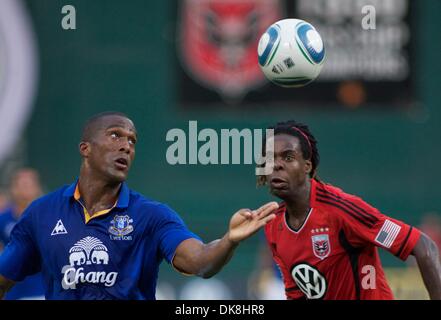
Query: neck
pixel 97 193
pixel 297 205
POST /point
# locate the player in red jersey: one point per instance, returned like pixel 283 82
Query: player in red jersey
pixel 325 240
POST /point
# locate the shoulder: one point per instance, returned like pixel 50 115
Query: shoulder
pixel 49 199
pixel 345 205
pixel 43 206
pixel 330 195
pixel 149 207
pixel 327 188
pixel 142 202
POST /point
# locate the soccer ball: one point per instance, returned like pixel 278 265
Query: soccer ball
pixel 291 53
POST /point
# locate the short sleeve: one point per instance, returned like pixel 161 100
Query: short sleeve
pixel 365 224
pixel 21 257
pixel 170 231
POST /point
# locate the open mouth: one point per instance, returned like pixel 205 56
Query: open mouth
pixel 278 183
pixel 122 163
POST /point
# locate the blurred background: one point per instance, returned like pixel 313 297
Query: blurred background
pixel 375 109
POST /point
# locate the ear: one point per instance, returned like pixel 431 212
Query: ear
pixel 84 148
pixel 308 166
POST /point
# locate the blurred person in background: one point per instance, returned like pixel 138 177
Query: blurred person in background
pixel 24 188
pixel 431 225
pixel 4 200
pixel 406 282
pixel 265 281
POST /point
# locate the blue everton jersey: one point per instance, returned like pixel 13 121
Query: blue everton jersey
pixel 32 286
pixel 113 255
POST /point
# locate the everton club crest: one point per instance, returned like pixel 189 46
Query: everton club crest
pixel 218 42
pixel 121 227
pixel 321 245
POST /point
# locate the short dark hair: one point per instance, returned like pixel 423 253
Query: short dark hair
pixel 90 126
pixel 308 144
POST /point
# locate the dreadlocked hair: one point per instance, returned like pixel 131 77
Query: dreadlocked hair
pixel 308 144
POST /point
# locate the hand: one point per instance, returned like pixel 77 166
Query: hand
pixel 245 222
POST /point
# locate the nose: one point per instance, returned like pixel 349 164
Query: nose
pixel 277 165
pixel 124 146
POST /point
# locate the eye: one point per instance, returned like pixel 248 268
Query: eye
pixel 114 135
pixel 289 157
pixel 132 141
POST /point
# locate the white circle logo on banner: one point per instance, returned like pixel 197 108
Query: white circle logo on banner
pixel 18 72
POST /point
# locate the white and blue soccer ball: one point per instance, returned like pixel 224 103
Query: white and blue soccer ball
pixel 291 53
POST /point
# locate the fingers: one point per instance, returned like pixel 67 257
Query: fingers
pixel 268 218
pixel 265 220
pixel 246 213
pixel 266 209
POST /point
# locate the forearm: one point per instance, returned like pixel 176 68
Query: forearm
pixel 427 255
pixel 204 260
pixel 214 256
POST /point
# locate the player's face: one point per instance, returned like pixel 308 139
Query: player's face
pixel 25 186
pixel 290 168
pixel 113 148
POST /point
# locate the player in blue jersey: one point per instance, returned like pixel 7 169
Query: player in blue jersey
pixel 24 188
pixel 97 239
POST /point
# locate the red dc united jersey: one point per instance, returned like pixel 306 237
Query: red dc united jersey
pixel 334 254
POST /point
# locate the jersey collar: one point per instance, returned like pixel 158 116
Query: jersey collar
pixel 122 201
pixel 123 197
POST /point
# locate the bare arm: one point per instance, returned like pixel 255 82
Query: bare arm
pixel 205 260
pixel 5 285
pixel 427 255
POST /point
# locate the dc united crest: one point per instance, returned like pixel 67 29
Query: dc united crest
pixel 218 42
pixel 321 245
pixel 121 227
